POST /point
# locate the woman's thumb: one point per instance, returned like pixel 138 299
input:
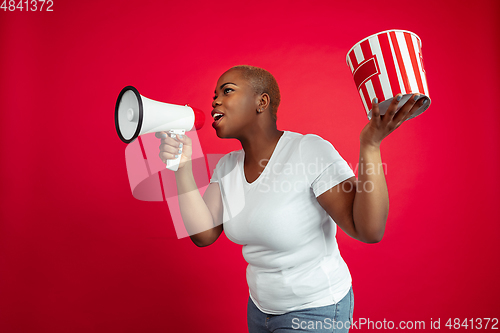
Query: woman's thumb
pixel 182 138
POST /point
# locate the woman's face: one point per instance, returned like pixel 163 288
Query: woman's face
pixel 237 101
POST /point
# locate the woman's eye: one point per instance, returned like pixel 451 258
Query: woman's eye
pixel 227 90
pixel 215 97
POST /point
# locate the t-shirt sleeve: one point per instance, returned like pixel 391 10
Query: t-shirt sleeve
pixel 215 175
pixel 323 165
pixel 219 169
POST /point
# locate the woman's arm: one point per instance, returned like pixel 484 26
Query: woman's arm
pixel 371 200
pixel 360 207
pixel 202 216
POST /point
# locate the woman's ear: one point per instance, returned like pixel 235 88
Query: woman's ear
pixel 264 101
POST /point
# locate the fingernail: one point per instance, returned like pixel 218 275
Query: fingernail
pixel 176 156
pixel 180 136
pixel 417 97
pixel 180 151
pixel 180 145
pixel 399 97
pixel 375 100
pixel 163 135
pixel 426 101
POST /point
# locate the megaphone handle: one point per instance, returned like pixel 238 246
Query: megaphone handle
pixel 174 164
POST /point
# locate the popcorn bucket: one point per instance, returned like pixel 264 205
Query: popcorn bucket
pixel 386 64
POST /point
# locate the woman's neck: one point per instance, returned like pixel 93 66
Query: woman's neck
pixel 259 148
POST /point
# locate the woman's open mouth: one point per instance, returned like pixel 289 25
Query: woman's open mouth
pixel 217 119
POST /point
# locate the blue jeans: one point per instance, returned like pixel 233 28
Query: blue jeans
pixel 331 318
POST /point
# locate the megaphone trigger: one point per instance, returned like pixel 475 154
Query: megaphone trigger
pixel 174 164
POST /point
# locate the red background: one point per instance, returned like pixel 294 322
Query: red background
pixel 79 254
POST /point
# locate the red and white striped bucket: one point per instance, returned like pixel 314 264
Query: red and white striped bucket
pixel 386 64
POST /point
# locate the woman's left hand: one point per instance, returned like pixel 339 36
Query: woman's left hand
pixel 381 126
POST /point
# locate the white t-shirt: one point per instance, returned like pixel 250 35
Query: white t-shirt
pixel 288 239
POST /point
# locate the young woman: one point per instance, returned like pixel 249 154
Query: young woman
pixel 280 197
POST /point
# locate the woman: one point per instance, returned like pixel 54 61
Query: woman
pixel 279 197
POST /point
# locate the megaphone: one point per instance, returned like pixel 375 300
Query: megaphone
pixel 137 115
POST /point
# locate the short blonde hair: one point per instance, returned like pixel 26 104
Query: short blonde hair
pixel 262 82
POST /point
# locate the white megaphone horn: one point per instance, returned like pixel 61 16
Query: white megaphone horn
pixel 137 115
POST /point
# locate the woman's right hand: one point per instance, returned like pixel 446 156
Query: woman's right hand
pixel 170 147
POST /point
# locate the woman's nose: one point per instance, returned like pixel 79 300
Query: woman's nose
pixel 215 102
